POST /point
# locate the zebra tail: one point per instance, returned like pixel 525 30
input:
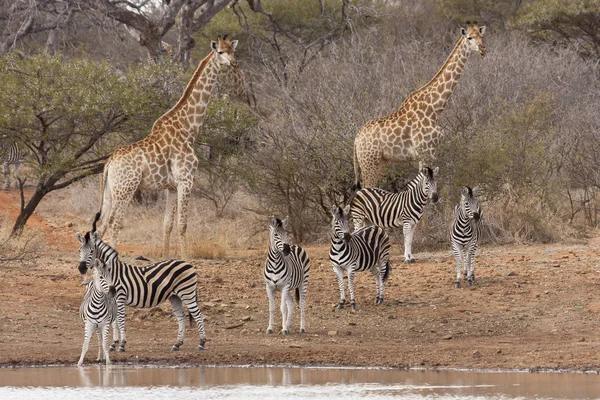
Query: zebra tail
pixel 298 295
pixel 388 270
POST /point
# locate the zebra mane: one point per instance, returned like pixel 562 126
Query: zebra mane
pixel 415 181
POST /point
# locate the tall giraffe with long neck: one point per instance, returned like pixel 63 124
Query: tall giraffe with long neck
pixel 165 159
pixel 411 132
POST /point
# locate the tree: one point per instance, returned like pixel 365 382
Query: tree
pixel 67 112
pixel 574 22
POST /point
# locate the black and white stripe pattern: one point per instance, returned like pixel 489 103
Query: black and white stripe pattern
pixel 146 286
pixel 466 231
pixel 10 154
pixel 364 250
pixel 98 311
pixel 287 268
pixel 387 209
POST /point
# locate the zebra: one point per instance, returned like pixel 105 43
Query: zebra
pixel 145 286
pixel 286 268
pixel 387 209
pixel 466 230
pixel 366 249
pixel 98 310
pixel 10 154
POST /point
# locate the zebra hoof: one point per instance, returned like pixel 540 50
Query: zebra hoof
pixel 410 261
pixel 353 305
pixel 470 282
pixel 458 284
pixel 175 348
pixel 112 347
pixel 201 347
pixel 269 331
pixel 302 330
pixel 285 332
pixel 379 301
pixel 121 349
pixel 340 306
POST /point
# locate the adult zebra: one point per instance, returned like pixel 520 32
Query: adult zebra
pixel 466 231
pixel 146 286
pixel 387 209
pixel 286 268
pixel 11 154
pixel 367 249
pixel 98 310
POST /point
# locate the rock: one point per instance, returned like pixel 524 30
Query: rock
pixel 476 354
pixel 449 337
pixel 252 284
pixel 332 333
pixel 208 304
pixel 235 326
pixel 68 224
pixel 295 346
pixel 511 273
pixel 247 318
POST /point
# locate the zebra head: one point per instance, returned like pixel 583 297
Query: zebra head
pixel 102 278
pixel 340 227
pixel 87 251
pixel 469 204
pixel 428 182
pixel 278 235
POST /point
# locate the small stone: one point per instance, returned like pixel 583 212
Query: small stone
pixel 68 224
pixel 476 354
pixel 295 346
pixel 332 333
pixel 546 291
pixel 391 316
pixel 449 337
pixel 244 331
pixel 208 304
pixel 247 318
pixel 216 300
pixel 511 273
pixel 582 339
pixel 252 284
pixel 555 265
pixel 352 323
pixel 499 351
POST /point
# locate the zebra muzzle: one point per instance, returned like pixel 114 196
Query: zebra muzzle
pixel 82 268
pixel 476 217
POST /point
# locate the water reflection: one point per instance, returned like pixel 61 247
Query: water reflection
pixel 217 382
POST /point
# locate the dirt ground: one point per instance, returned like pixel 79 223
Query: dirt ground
pixel 532 307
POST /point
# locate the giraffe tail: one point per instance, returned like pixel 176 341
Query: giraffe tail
pixel 357 185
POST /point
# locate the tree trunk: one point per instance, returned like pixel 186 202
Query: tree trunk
pixel 28 210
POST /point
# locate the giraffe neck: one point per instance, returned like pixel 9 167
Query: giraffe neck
pixel 188 114
pixel 437 92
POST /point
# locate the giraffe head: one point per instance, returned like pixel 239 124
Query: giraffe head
pixel 469 204
pixel 224 49
pixel 474 36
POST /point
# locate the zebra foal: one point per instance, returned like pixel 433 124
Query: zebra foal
pixel 98 310
pixel 466 230
pixel 393 210
pixel 286 268
pixel 367 249
pixel 144 287
pixel 10 154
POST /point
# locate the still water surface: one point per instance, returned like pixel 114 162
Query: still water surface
pixel 263 383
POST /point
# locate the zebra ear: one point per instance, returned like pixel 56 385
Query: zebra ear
pixel 347 209
pixel 475 191
pixel 80 238
pixel 284 222
pixel 95 236
pixel 334 210
pixel 465 191
pixel 420 166
pixel 436 170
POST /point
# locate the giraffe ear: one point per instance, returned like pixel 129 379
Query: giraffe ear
pixel 213 45
pixel 234 44
pixel 481 30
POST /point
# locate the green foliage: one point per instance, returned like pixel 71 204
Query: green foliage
pixel 572 22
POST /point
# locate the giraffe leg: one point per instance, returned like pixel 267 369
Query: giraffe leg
pixel 183 196
pixel 119 206
pixel 170 210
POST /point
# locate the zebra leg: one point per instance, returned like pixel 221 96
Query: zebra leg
pixel 339 273
pixel 408 230
pixel 290 309
pixel 351 288
pixel 6 176
pixel 178 312
pixel 283 308
pixel 375 273
pixel 191 302
pixel 170 211
pixel 121 323
pixel 105 330
pixel 302 306
pixel 100 352
pixel 470 261
pixel 271 296
pixel 457 250
pixel 90 327
pixel 115 329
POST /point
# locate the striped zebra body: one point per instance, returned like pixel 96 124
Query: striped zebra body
pixel 146 286
pixel 366 249
pixel 10 154
pixel 287 268
pixel 465 234
pixel 98 311
pixel 393 210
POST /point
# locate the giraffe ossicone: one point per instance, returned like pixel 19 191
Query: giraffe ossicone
pixel 411 132
pixel 165 159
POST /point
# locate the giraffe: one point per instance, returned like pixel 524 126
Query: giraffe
pixel 165 158
pixel 411 132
